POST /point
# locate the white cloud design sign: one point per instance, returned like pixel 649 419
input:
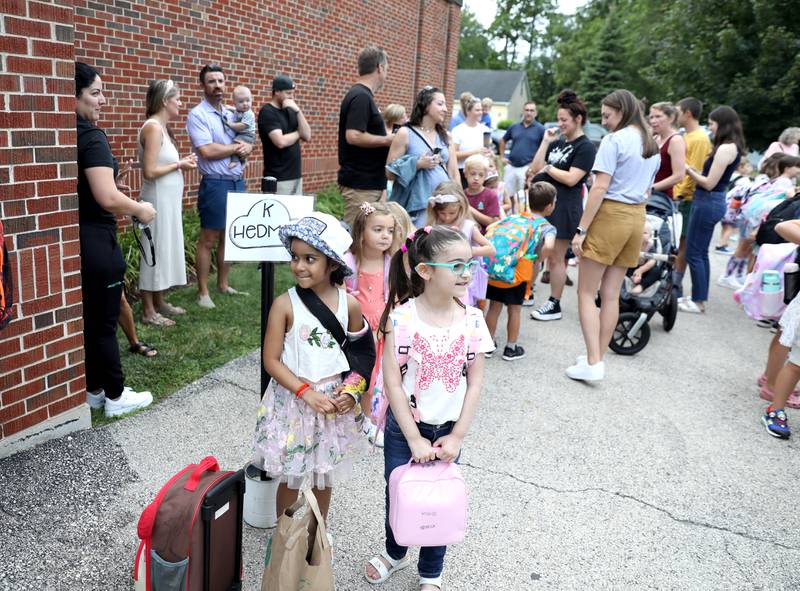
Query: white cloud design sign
pixel 253 221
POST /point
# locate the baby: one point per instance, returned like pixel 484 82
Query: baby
pixel 244 120
pixel 645 274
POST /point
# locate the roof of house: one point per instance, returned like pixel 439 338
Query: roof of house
pixel 499 85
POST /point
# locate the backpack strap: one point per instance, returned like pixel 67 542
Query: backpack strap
pixel 427 143
pixel 351 282
pixel 323 313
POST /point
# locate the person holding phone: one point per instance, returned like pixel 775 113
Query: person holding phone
pixel 471 137
pixel 426 138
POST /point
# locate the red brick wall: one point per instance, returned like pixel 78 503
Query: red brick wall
pixel 41 351
pixel 315 42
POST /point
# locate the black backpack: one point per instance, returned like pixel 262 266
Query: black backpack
pixel 788 209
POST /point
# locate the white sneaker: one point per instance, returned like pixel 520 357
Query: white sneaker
pixel 128 401
pixel 690 307
pixel 97 400
pixel 730 281
pixel 204 301
pixel 373 435
pixel 587 373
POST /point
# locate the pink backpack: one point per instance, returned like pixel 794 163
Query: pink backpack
pixel 427 504
pixel 757 304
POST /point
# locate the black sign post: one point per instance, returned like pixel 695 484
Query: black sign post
pixel 269 185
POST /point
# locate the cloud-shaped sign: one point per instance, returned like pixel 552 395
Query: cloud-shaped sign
pixel 259 228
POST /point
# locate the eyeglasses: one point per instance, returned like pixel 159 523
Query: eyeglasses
pixel 458 269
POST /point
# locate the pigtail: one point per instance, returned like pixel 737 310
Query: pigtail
pixel 404 282
pixel 400 284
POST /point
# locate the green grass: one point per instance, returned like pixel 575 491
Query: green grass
pixel 202 340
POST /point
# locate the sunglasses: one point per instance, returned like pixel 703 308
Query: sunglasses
pixel 458 269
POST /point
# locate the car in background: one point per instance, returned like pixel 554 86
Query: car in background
pixel 497 135
pixel 594 131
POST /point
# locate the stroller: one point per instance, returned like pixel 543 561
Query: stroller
pixel 632 332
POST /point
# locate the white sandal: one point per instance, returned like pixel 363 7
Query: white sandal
pixel 435 581
pixel 380 567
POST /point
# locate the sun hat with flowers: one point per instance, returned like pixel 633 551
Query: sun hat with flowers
pixel 323 232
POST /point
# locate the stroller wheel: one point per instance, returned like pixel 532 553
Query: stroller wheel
pixel 625 343
pixel 670 311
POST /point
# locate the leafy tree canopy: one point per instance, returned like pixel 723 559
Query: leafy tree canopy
pixel 743 53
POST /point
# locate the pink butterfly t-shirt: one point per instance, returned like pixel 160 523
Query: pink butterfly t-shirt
pixel 437 361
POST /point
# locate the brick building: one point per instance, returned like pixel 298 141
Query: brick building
pixel 42 385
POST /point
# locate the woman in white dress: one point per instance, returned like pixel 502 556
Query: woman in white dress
pixel 162 171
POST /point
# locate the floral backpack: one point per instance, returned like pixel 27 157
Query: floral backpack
pixel 515 239
pixel 403 339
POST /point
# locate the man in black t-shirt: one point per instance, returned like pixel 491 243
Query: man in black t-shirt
pixel 363 142
pixel 281 126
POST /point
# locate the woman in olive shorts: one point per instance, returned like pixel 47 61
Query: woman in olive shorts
pixel 609 236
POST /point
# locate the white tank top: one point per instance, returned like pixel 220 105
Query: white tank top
pixel 309 349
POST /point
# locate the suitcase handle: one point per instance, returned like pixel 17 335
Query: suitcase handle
pixel 207 464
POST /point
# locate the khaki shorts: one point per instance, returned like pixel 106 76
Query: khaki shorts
pixel 615 235
pixel 353 198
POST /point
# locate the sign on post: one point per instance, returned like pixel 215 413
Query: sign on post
pixel 253 221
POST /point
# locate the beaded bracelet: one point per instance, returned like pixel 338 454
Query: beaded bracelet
pixel 299 392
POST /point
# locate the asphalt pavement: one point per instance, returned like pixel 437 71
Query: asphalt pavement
pixel 661 477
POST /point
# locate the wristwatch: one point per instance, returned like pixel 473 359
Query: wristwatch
pixel 580 231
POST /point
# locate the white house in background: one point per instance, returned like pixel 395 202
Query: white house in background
pixel 507 88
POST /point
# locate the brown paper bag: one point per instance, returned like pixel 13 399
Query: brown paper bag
pixel 298 554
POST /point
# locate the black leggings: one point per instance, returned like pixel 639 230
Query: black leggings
pixel 102 275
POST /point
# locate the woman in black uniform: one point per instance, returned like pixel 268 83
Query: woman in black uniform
pixel 102 265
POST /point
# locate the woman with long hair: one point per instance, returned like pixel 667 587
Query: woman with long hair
pixel 100 201
pixel 709 200
pixel 425 137
pixel 162 185
pixel 565 163
pixel 609 235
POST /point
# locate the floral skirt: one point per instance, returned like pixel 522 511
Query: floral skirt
pixel 296 444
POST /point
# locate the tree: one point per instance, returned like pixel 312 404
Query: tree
pixel 605 67
pixel 474 47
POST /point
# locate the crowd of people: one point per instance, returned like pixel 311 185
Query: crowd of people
pixel 432 247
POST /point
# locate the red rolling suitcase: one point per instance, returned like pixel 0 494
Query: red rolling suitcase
pixel 191 534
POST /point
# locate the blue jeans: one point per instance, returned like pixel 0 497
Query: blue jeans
pixel 397 453
pixel 707 210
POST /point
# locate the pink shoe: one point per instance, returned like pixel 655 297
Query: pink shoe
pixel 792 402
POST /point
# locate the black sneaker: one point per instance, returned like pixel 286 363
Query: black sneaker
pixel 510 354
pixel 550 310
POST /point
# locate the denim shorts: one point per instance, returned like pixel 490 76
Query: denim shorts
pixel 212 200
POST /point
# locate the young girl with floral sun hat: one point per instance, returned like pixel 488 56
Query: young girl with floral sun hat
pixel 308 426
